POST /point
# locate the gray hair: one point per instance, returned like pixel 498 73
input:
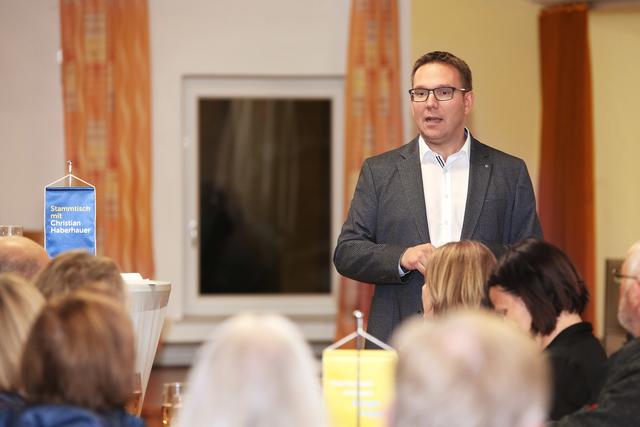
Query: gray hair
pixel 255 370
pixel 470 369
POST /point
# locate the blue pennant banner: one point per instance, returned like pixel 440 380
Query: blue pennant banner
pixel 70 219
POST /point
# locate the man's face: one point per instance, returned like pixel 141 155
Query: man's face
pixel 441 123
pixel 628 298
pixel 511 307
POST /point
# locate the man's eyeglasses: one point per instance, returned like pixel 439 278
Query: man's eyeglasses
pixel 440 93
pixel 618 277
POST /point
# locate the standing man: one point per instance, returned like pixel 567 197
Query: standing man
pixel 442 186
pixel 618 401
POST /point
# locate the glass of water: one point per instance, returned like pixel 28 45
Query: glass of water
pixel 172 395
pixel 10 230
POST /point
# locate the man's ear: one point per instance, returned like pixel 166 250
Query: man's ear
pixel 469 99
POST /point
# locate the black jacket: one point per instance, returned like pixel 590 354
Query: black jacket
pixel 618 404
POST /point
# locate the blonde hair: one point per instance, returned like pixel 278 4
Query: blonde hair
pixel 255 370
pixel 469 369
pixel 77 269
pixel 20 303
pixel 456 274
pixel 80 352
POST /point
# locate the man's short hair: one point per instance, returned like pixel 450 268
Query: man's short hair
pixel 78 269
pixel 21 256
pixel 80 352
pixel 544 278
pixel 468 369
pixel 449 59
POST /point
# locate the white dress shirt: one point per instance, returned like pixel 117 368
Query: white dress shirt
pixel 445 187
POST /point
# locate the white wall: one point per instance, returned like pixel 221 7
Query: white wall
pixel 225 37
pixel 31 127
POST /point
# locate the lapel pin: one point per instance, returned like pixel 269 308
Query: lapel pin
pixel 486 166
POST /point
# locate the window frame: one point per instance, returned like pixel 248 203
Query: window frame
pixel 304 87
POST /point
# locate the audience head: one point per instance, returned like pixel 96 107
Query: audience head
pixel 20 303
pixel 80 352
pixel 455 277
pixel 468 369
pixel 78 269
pixel 21 256
pixel 533 284
pixel 255 370
pixel 629 302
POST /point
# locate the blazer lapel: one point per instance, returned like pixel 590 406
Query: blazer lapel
pixel 411 177
pixel 480 167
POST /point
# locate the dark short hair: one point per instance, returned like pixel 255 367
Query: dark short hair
pixel 446 58
pixel 544 278
pixel 80 352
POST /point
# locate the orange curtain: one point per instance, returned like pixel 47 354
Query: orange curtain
pixel 566 193
pixel 373 117
pixel 107 115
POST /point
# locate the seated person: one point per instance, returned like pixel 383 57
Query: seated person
pixel 77 366
pixel 536 285
pixel 455 277
pixel 22 256
pixel 468 369
pixel 255 370
pixel 617 403
pixel 77 269
pixel 20 303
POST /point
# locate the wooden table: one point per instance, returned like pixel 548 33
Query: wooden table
pixel 153 399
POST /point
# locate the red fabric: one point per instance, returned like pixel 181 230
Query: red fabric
pixel 566 192
pixel 106 81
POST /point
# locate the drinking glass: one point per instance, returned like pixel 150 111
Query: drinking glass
pixel 134 405
pixel 10 230
pixel 172 393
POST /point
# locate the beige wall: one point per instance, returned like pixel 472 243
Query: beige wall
pixel 498 39
pixel 615 44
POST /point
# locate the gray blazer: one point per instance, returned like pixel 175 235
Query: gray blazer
pixel 387 215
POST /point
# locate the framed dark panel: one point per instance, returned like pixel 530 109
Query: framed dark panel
pixel 264 195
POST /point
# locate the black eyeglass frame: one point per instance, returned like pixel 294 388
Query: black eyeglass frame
pixel 618 277
pixel 433 91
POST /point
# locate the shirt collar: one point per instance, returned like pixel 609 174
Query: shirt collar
pixel 424 148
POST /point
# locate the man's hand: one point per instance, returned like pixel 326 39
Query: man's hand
pixel 416 257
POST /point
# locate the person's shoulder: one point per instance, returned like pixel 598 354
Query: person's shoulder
pixel 10 400
pixel 630 352
pixel 49 415
pixel 498 156
pixel 390 157
pixel 121 418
